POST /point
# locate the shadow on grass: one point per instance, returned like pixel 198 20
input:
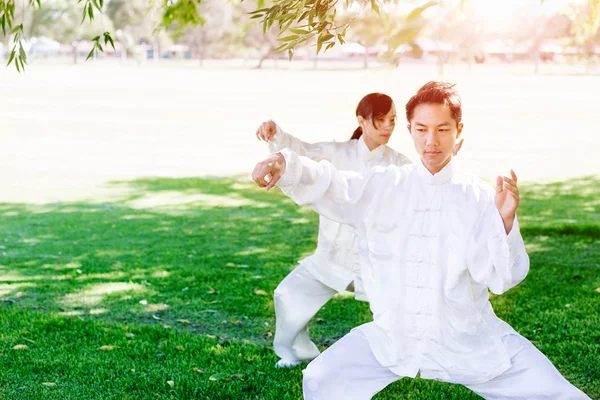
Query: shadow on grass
pixel 195 257
pixel 193 249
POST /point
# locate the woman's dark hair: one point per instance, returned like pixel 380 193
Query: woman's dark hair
pixel 372 107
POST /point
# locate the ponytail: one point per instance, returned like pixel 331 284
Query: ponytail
pixel 357 133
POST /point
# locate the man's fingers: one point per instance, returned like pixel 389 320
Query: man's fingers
pixel 259 174
pixel 499 184
pixel 514 176
pixel 509 181
pixel 513 189
pixel 275 178
pixel 260 181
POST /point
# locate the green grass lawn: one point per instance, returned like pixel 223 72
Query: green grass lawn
pixel 167 293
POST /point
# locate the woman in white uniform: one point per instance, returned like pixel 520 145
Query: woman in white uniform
pixel 333 267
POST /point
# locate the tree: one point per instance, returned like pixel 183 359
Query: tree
pixel 585 29
pixel 135 22
pixel 9 17
pixel 461 28
pixel 386 28
pixel 295 22
pixel 247 35
pixel 60 21
pixel 218 16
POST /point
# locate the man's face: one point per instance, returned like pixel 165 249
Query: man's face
pixel 434 133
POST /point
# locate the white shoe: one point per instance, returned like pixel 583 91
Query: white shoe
pixel 287 363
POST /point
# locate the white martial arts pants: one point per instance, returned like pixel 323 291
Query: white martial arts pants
pixel 297 299
pixel 349 371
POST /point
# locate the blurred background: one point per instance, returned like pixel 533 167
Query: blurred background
pixel 178 100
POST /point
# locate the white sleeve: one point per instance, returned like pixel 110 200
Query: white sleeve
pixel 342 196
pixel 314 151
pixel 495 259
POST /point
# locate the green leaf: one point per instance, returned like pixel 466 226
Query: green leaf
pixel 90 12
pixel 288 38
pixel 416 13
pixel 404 36
pixel 22 54
pixel 374 6
pixel 417 51
pixel 109 39
pixel 217 377
pixel 91 53
pixel 329 45
pixel 17 28
pixel 97 5
pixel 299 31
pixel 303 16
pixel 12 56
pixel 325 37
pixel 290 53
pixel 259 11
pixel 84 14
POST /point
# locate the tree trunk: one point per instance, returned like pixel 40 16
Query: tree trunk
pixel 470 59
pixel 266 56
pixel 74 47
pixel 198 52
pixel 156 50
pixel 202 48
pixel 441 64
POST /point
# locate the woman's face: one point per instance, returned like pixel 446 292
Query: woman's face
pixel 378 131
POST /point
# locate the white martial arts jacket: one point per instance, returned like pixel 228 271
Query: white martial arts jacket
pixel 335 261
pixel 430 247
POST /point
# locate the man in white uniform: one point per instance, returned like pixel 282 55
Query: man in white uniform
pixel 432 241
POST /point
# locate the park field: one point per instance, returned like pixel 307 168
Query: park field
pixel 138 260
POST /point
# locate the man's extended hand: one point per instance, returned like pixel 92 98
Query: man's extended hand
pixel 273 166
